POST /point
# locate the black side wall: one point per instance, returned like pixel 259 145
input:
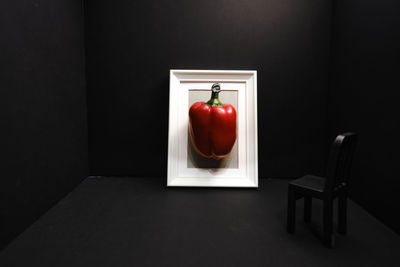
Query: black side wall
pixel 364 97
pixel 43 110
pixel 132 45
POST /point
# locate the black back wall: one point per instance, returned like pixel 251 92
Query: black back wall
pixel 43 111
pixel 132 45
pixel 364 97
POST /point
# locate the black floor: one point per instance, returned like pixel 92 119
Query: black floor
pixel 140 222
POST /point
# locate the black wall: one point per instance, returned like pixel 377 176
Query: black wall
pixel 43 111
pixel 364 97
pixel 132 45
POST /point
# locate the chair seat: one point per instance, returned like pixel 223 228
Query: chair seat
pixel 310 182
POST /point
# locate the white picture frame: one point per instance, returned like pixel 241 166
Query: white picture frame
pixel 246 172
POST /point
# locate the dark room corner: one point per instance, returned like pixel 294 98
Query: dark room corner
pixel 84 143
pixel 44 133
pixel 363 98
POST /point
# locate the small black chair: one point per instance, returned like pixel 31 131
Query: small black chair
pixel 327 188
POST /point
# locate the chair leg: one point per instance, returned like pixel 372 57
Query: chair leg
pixel 328 223
pixel 342 214
pixel 291 211
pixel 307 208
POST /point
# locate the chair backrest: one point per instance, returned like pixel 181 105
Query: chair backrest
pixel 340 160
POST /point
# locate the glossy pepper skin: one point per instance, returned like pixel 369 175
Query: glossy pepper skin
pixel 212 127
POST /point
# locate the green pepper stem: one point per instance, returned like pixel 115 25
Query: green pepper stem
pixel 214 100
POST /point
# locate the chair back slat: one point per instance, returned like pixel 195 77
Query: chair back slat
pixel 340 160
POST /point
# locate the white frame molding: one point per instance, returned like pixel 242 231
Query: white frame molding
pixel 243 81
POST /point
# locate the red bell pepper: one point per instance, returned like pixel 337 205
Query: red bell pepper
pixel 212 126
